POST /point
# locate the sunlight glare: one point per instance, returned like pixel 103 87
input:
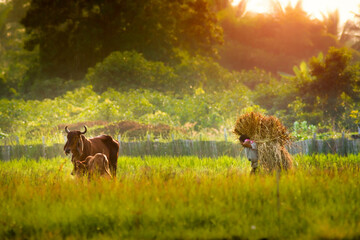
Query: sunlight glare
pixel 314 8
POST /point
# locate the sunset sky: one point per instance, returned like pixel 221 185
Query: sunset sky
pixel 313 7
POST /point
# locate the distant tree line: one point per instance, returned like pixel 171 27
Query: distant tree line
pixel 74 35
pixel 64 38
pixel 278 40
pixel 296 67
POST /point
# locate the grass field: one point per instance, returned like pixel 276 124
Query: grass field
pixel 181 198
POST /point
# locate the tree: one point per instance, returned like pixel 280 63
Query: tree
pixel 124 70
pixel 15 62
pixel 276 41
pixel 75 35
pixel 334 84
pixel 351 33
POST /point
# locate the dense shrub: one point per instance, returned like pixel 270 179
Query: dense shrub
pixel 125 70
pixel 49 88
pixel 202 110
pixel 204 72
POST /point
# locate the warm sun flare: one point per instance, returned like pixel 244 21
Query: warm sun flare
pixel 346 8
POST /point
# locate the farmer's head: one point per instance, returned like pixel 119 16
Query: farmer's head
pixel 243 137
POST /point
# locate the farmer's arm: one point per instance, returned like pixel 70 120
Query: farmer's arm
pixel 246 144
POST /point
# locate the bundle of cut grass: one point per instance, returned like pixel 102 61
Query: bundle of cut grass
pixel 271 138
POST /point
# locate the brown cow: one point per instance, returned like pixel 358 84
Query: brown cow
pixel 97 165
pixel 81 147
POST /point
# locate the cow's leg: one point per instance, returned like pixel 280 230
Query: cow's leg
pixel 113 164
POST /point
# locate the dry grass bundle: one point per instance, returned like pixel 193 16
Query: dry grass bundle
pixel 271 137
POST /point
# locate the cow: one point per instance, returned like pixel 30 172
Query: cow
pixel 80 147
pixel 97 165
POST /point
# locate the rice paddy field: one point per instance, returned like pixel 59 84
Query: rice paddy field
pixel 182 198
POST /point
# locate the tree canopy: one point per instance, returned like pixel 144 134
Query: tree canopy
pixel 334 85
pixel 74 35
pixel 275 41
pixel 169 46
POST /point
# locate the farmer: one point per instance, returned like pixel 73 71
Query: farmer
pixel 251 151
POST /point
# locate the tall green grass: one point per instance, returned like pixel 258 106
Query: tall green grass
pixel 181 198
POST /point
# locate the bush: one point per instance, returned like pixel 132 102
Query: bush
pixel 203 110
pixel 50 88
pixel 303 130
pixel 128 70
pixel 204 72
pixel 125 70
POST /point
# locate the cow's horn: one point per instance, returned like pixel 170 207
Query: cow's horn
pixel 85 130
pixel 66 129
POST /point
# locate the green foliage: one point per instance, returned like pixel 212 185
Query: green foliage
pixel 302 73
pixel 275 94
pixel 4 11
pixel 129 70
pixel 32 119
pixel 126 70
pixel 203 72
pixel 11 112
pixel 182 198
pixel 303 130
pixel 76 35
pixel 333 87
pixel 148 45
pixel 298 111
pixel 15 62
pixel 324 92
pixel 254 77
pixel 50 88
pixel 2 135
pixel 158 117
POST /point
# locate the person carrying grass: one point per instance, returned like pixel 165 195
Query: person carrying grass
pixel 271 138
pixel 251 151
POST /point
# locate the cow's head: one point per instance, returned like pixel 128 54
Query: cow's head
pixel 80 168
pixel 74 143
